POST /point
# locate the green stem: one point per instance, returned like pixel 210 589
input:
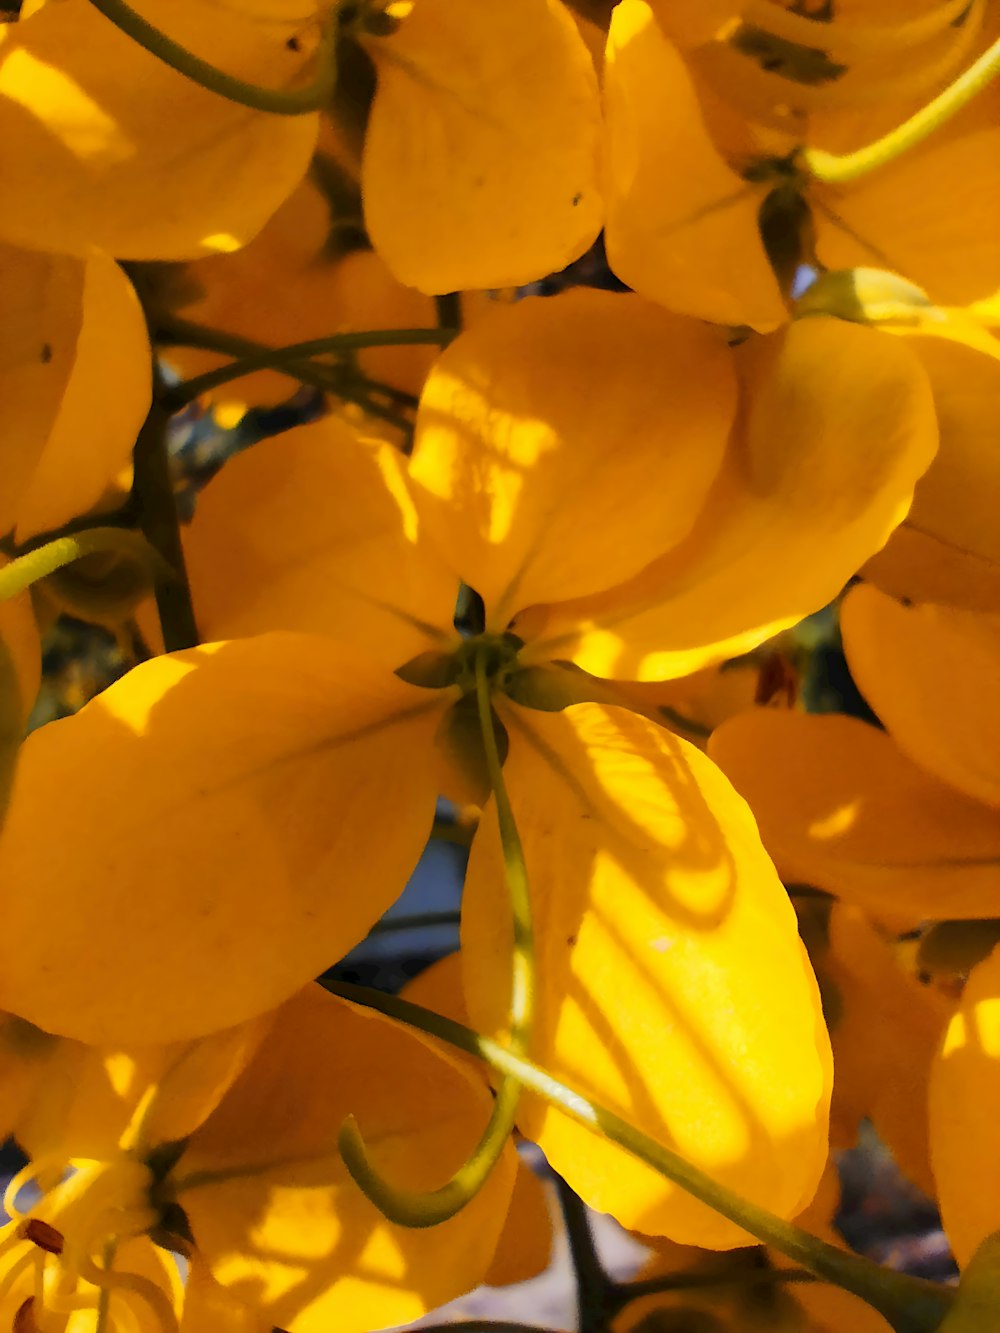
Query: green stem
pixel 624 1293
pixel 277 101
pixel 156 507
pixel 27 569
pixel 909 1305
pixel 449 315
pixel 292 357
pixel 415 1208
pixel 832 169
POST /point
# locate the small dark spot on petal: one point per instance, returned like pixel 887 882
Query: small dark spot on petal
pixel 293 44
pixel 46 356
pixel 571 940
pixel 576 199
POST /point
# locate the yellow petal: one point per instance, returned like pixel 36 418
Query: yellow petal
pixel 837 425
pixel 212 1308
pixel 84 150
pixel 930 215
pixel 949 547
pixel 932 674
pixel 561 417
pixel 218 810
pixel 481 154
pixel 682 226
pixel 886 1029
pixel 525 1246
pixel 964 1103
pixel 839 807
pixel 20 675
pixel 314 530
pixel 103 407
pixel 294 1237
pixel 25 1052
pixel 672 984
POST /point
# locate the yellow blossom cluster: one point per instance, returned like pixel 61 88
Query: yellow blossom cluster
pixel 545 557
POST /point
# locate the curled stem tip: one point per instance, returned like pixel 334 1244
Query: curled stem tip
pixel 416 1208
pixel 834 169
pixel 276 101
pixel 908 1304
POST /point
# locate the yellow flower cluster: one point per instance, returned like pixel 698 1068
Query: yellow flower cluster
pixel 632 497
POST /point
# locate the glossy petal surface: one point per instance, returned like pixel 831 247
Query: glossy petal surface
pixel 293 1235
pixel 220 808
pixel 932 674
pixel 841 808
pixel 481 154
pixel 564 442
pixel 837 425
pixel 84 152
pixel 682 225
pixel 965 1096
pixel 314 530
pixel 672 984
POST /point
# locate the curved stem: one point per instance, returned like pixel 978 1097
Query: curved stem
pixel 27 569
pixel 909 1305
pixel 836 170
pixel 288 358
pixel 156 507
pixel 415 1208
pixel 277 101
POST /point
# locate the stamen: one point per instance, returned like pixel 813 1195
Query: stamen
pixel 42 1234
pixel 129 1286
pixel 30 1175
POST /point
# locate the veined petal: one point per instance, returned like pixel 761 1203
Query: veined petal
pixel 314 530
pixel 102 409
pixel 481 153
pixel 564 416
pixel 932 674
pixel 86 1096
pixel 217 810
pixel 930 215
pixel 672 985
pixel 273 1210
pixel 885 1029
pixel 84 109
pixel 948 548
pixel 964 1100
pixel 682 225
pixel 841 808
pixel 838 425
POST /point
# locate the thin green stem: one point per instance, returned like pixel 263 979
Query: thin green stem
pixel 27 569
pixel 156 507
pixel 293 358
pixel 414 1208
pixel 838 170
pixel 909 1305
pixel 449 315
pixel 276 101
pixel 624 1293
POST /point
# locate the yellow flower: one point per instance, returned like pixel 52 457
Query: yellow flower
pixel 692 187
pixel 242 813
pixel 225 1150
